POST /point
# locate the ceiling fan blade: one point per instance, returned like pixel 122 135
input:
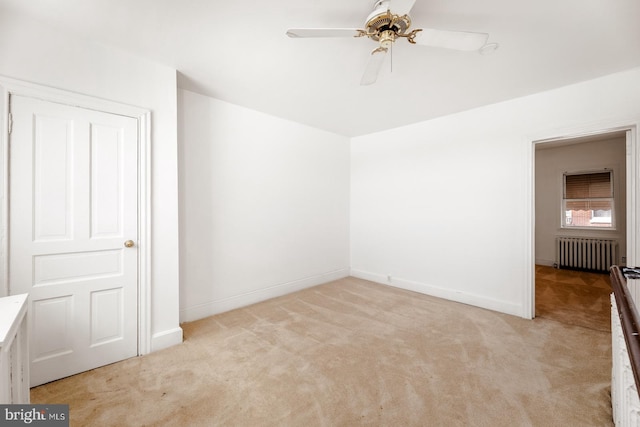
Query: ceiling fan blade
pixel 373 67
pixel 401 7
pixel 459 40
pixel 323 32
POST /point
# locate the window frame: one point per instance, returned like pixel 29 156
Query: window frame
pixel 563 202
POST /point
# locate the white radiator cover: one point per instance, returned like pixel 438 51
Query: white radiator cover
pixel 624 394
pixel 14 350
pixel 586 253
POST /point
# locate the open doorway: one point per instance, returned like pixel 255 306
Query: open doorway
pixel 572 295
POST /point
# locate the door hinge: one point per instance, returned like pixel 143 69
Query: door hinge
pixel 10 123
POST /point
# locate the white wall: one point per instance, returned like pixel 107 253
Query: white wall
pixel 264 206
pixel 32 52
pixel 445 206
pixel 550 164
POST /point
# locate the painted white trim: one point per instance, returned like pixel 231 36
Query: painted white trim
pixel 73 99
pixel 144 234
pixel 210 308
pixel 527 310
pixel 9 87
pixel 166 339
pixel 435 291
pixel 630 125
pixel 633 195
pixel 4 192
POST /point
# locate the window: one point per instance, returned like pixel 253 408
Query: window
pixel 588 200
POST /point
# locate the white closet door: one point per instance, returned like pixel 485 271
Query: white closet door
pixel 73 234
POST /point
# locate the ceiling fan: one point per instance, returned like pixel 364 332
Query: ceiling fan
pixel 390 21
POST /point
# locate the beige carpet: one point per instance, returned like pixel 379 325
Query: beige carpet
pixel 352 352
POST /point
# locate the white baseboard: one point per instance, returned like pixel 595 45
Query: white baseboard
pixel 448 294
pixel 210 308
pixel 545 262
pixel 166 339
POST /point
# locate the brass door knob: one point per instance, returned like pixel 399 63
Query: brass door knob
pixel 129 244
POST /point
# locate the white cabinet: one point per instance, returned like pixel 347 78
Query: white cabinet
pixel 14 351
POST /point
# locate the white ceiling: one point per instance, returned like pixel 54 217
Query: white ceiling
pixel 237 51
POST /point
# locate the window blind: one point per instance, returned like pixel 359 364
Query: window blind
pixel 582 191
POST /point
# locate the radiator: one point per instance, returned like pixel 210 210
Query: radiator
pixel 586 254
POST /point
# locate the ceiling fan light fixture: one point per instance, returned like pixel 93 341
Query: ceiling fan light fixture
pixel 386 38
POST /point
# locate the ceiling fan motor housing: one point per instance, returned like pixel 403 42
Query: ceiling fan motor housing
pixel 381 21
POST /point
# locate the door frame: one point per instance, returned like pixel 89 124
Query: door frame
pixel 632 128
pixel 9 87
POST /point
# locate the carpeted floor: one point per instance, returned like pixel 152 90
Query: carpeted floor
pixel 574 297
pixel 352 352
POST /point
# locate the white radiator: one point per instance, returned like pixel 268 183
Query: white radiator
pixel 586 254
